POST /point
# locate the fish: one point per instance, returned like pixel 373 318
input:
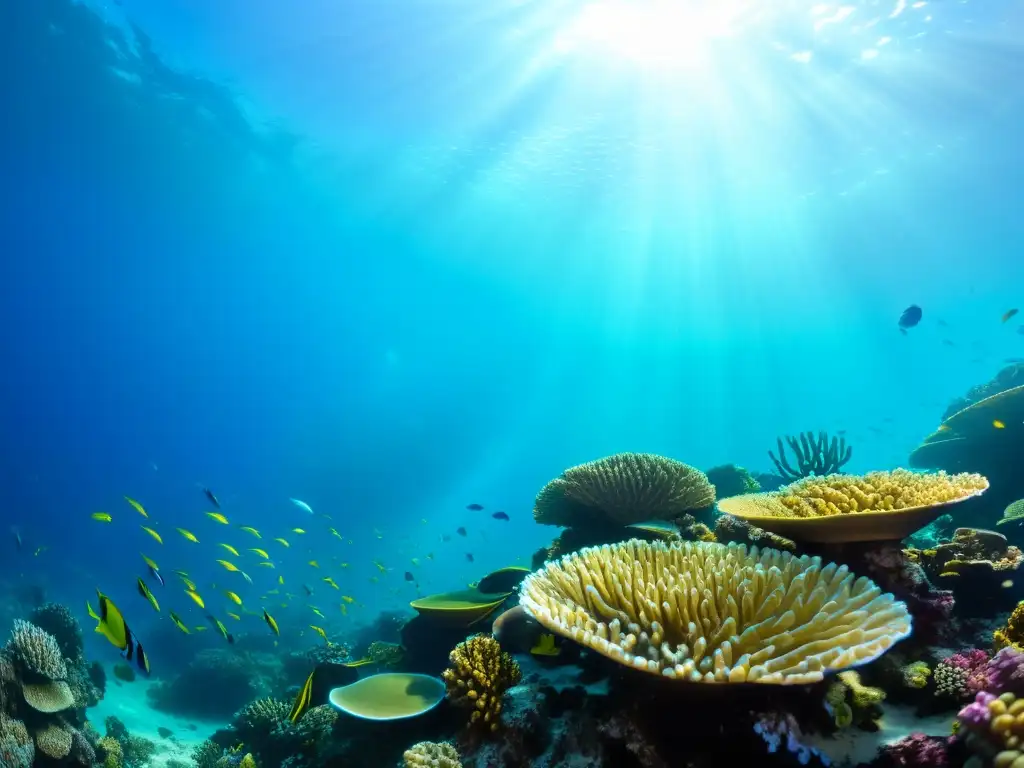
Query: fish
pixel 282 541
pixel 266 564
pixel 200 629
pixel 40 551
pixel 270 622
pixel 469 556
pixel 314 692
pixel 152 533
pixel 195 597
pixel 218 517
pixel 318 630
pixel 228 565
pixel 1009 313
pixel 461 531
pixel 246 576
pixel 308 590
pixel 179 623
pixel 18 543
pixel 111 625
pixel 302 505
pixel 189 584
pixel 415 561
pixel 188 535
pixel 221 628
pixel 234 616
pixel 317 611
pixel 409 576
pixel 314 563
pixel 213 499
pixel 348 599
pixel 144 591
pixel 102 517
pixel 344 609
pixel 334 532
pixel 230 549
pixel 250 529
pixel 545 646
pixel 380 566
pixel 474 507
pixel 154 571
pixel 298 530
pixel 998 424
pixel 331 582
pixel 662 528
pixel 261 552
pixel 280 579
pixel 233 597
pixel 500 516
pixel 138 507
pixel 911 316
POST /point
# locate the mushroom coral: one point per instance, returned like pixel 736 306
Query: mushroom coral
pixel 715 613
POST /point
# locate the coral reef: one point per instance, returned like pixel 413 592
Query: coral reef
pixel 57 621
pixel 974 562
pixel 813 456
pixel 916 751
pixel 387 655
pixel 428 754
pixel 853 703
pixel 730 480
pixel 1011 634
pixel 715 613
pixel 781 731
pixel 479 675
pixel 732 529
pixel 962 675
pixel 265 730
pixel 217 682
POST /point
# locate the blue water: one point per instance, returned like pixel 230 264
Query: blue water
pixel 395 258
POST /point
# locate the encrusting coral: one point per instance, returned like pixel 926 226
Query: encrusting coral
pixel 715 613
pixel 429 754
pixel 479 676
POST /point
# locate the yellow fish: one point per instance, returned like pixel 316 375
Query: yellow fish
pixel 200 628
pixel 271 623
pixel 102 517
pixel 348 599
pixel 331 581
pixel 188 535
pixel 233 597
pixel 152 533
pixel 318 612
pixel 998 424
pixel 261 552
pixel 234 616
pixel 415 561
pixel 251 530
pixel 343 565
pixel 318 630
pixel 179 623
pixel 150 563
pixel 424 521
pixel 297 530
pixel 266 564
pixel 218 517
pixel 380 567
pixel 344 609
pixel 280 579
pixel 283 541
pixel 314 563
pixel 191 585
pixel 334 532
pixel 274 591
pixel 195 597
pixel 40 551
pixel 545 646
pixel 138 507
pixel 221 628
pixel 92 611
pixel 229 565
pixel 144 591
pixel 230 549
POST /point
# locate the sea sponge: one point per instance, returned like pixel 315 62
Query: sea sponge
pixel 479 676
pixel 59 622
pixel 54 741
pixel 17 750
pixel 916 674
pixel 36 651
pixel 49 697
pixel 623 489
pixel 430 754
pixel 715 613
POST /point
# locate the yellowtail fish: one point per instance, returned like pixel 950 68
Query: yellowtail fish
pixel 331 581
pixel 179 623
pixel 318 612
pixel 998 424
pixel 144 591
pixel 318 630
pixel 40 551
pixel 302 700
pixel 348 599
pixel 314 563
pixel 200 628
pixel 343 565
pixel 344 609
pixel 228 564
pixel 253 531
pixel 218 517
pixel 266 564
pixel 111 625
pixel 415 561
pixel 195 597
pixel 230 549
pixel 234 616
pixel 188 535
pixel 271 623
pixel 280 579
pixel 283 541
pixel 102 517
pixel 380 567
pixel 334 532
pixel 233 597
pixel 261 552
pixel 298 530
pixel 138 507
pixel 152 533
pixel 378 534
pixel 222 629
pixel 191 585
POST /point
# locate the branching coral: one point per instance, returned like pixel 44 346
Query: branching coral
pixel 813 456
pixel 623 489
pixel 479 676
pixel 207 754
pixel 429 754
pixel 715 613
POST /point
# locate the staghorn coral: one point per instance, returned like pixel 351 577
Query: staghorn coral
pixel 60 623
pixel 36 651
pixel 813 456
pixel 715 613
pixel 53 741
pixel 623 489
pixel 479 676
pixel 916 674
pixel 730 480
pixel 429 754
pixel 17 749
pixel 1011 635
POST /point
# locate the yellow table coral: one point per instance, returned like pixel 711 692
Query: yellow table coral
pixel 479 676
pixel 715 613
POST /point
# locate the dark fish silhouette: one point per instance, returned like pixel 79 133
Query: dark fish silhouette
pixel 469 556
pixel 1009 313
pixel 409 576
pixel 500 516
pixel 474 507
pixel 911 316
pixel 461 531
pixel 211 497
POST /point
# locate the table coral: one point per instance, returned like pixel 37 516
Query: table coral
pixel 479 676
pixel 428 754
pixel 715 613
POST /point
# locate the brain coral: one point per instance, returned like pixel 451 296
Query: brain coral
pixel 429 754
pixel 36 651
pixel 715 613
pixel 623 489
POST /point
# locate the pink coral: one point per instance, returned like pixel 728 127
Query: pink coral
pixel 917 751
pixel 1005 671
pixel 977 714
pixel 975 663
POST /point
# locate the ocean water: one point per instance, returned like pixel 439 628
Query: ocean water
pixel 393 259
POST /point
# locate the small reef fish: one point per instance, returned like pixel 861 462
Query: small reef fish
pixel 152 533
pixel 250 529
pixel 230 549
pixel 195 597
pixel 144 591
pixel 261 552
pixel 461 531
pixel 348 599
pixel 380 566
pixel 318 630
pixel 334 532
pixel 246 576
pixel 280 579
pixel 188 535
pixel 474 507
pixel 302 505
pixel 222 629
pixel 911 316
pixel 18 543
pixel 154 570
pixel 299 531
pixel 1009 313
pixel 308 590
pixel 189 584
pixel 266 564
pixel 218 517
pixel 314 563
pixel 234 616
pixel 179 623
pixel 138 507
pixel 111 625
pixel 331 581
pixel 271 623
pixel 469 556
pixel 102 517
pixel 318 612
pixel 500 516
pixel 344 609
pixel 998 424
pixel 233 597
pixel 282 541
pixel 409 576
pixel 228 565
pixel 213 499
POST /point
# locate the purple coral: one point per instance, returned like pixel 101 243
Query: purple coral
pixel 1005 671
pixel 917 751
pixel 977 715
pixel 780 729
